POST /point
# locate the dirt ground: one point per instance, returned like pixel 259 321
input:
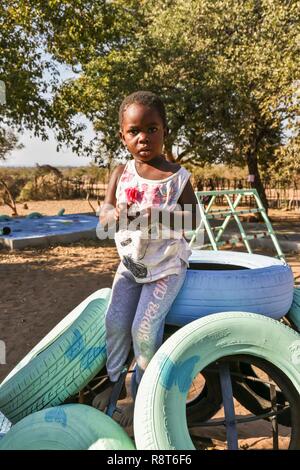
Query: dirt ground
pixel 40 286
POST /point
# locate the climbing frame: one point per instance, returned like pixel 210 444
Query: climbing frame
pixel 233 199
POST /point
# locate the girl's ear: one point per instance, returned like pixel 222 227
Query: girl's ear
pixel 121 135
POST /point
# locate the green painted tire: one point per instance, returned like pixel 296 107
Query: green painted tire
pixel 34 215
pixel 294 313
pixel 5 218
pixel 160 410
pixel 67 427
pixel 61 364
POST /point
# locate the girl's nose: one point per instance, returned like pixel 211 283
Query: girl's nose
pixel 143 137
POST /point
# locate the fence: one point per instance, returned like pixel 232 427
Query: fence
pixel 73 188
pixel 279 193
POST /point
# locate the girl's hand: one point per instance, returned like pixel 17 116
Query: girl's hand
pixel 117 213
pixel 122 210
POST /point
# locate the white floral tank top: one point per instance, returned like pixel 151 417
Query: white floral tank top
pixel 147 257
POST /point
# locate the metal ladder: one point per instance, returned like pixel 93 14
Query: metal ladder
pixel 233 199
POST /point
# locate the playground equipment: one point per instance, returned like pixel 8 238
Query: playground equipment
pixel 67 427
pixel 239 354
pixel 69 364
pixel 38 230
pixel 233 199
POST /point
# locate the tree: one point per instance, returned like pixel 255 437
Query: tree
pixel 23 68
pixel 37 36
pixel 9 186
pixel 8 142
pixel 227 71
pixel 76 32
pixel 250 51
pixel 287 164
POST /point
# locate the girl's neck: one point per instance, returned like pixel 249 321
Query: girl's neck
pixel 156 161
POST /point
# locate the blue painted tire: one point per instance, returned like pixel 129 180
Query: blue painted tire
pixel 232 281
pixel 61 364
pixel 67 427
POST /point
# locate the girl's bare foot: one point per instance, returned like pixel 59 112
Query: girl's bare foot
pixel 126 418
pixel 101 401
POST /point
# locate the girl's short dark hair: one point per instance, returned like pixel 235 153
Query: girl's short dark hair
pixel 146 98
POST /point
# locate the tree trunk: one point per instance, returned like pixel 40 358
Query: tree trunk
pixel 252 163
pixel 11 201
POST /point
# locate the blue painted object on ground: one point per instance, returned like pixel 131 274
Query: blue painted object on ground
pixel 22 227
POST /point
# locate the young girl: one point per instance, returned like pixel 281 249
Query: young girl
pixel 153 192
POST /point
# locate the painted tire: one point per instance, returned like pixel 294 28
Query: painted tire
pixel 67 427
pixel 34 215
pixel 208 402
pixel 61 364
pixel 160 412
pixel 5 218
pixel 294 313
pixel 219 281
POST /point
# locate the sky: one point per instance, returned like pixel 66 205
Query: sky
pixel 37 151
pixel 44 152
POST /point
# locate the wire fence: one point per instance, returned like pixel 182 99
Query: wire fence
pixel 280 194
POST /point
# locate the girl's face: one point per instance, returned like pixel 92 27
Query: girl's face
pixel 142 132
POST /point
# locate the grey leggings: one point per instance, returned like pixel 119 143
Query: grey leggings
pixel 137 311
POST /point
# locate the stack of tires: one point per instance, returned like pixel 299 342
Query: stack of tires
pixel 227 310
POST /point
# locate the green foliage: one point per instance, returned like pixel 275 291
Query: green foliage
pixel 91 173
pixel 28 192
pixel 10 188
pixel 8 142
pixel 227 71
pixel 36 36
pixel 287 164
pixel 217 172
pixel 23 68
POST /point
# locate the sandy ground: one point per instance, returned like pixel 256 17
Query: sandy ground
pixel 40 286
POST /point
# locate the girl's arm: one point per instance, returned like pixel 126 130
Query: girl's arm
pixel 108 212
pixel 188 199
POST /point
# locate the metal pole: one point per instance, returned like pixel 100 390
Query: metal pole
pixel 230 421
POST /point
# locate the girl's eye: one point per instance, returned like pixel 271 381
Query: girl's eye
pixel 152 129
pixel 133 131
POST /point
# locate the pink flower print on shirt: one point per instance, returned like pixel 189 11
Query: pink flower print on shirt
pixel 134 195
pixel 147 199
pixel 173 192
pixel 157 197
pixel 160 194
